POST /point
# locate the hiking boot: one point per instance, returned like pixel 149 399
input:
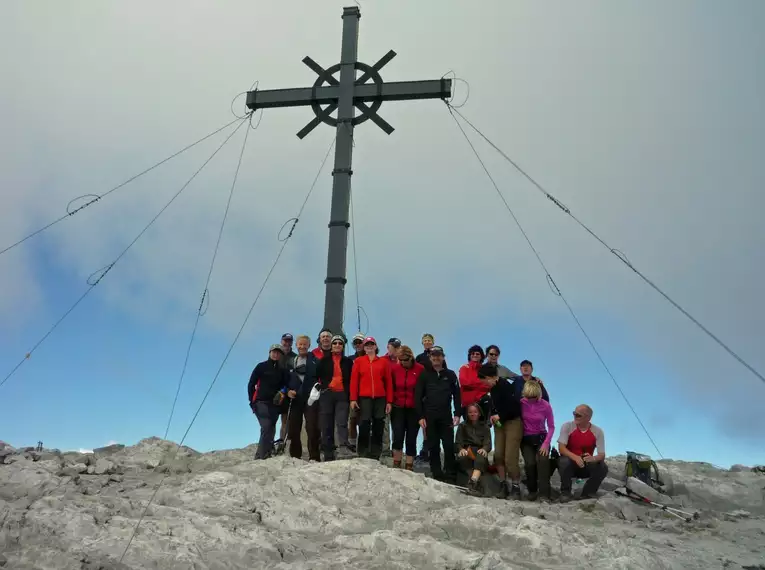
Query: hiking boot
pixel 565 496
pixel 397 464
pixel 473 488
pixel 504 490
pixel 532 496
pixel 515 492
pixel 350 447
pixel 409 467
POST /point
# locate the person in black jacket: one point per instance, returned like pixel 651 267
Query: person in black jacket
pixel 303 377
pixel 265 392
pixel 287 361
pixel 334 374
pixel 424 358
pixel 437 398
pixel 508 427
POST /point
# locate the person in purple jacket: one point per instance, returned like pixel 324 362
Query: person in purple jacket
pixel 538 428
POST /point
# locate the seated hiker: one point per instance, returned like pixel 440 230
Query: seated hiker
pixel 403 415
pixel 372 394
pixel 437 397
pixel 334 373
pixel 472 388
pixel 302 379
pixel 577 443
pixel 538 428
pixel 473 443
pixel 265 391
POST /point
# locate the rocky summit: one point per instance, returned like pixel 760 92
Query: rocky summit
pixel 224 510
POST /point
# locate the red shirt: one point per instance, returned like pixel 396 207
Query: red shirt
pixel 404 382
pixel 472 388
pixel 581 442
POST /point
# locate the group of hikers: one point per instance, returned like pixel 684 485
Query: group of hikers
pixel 362 397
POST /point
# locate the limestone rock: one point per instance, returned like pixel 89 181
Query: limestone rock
pixel 224 510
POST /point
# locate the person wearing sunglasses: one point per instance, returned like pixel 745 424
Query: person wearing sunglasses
pixel 492 357
pixel 403 415
pixel 393 347
pixel 372 394
pixel 577 443
pixel 334 372
pixel 353 414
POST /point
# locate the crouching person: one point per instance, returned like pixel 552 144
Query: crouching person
pixel 538 428
pixel 266 390
pixel 577 443
pixel 473 442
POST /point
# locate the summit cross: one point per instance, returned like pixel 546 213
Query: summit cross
pixel 345 95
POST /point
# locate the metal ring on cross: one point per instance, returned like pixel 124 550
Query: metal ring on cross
pixel 366 113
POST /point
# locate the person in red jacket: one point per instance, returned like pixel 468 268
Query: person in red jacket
pixel 403 415
pixel 472 388
pixel 371 394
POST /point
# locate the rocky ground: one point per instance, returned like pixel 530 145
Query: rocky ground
pixel 223 510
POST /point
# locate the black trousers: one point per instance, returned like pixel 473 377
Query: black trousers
pixel 441 432
pixel 298 411
pixel 405 424
pixel 333 411
pixel 536 466
pixel 371 426
pixel 593 472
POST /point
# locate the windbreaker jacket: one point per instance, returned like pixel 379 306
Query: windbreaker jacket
pixel 472 388
pixel 268 378
pixel 473 435
pixel 309 379
pixel 371 379
pixel 436 393
pixel 326 369
pixel 404 384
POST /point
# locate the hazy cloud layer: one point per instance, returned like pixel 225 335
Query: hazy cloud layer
pixel 645 118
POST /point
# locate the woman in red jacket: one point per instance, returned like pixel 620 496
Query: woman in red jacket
pixel 371 394
pixel 403 416
pixel 472 389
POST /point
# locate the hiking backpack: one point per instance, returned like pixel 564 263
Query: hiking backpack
pixel 644 468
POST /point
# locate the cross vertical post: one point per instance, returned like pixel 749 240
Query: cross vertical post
pixel 344 95
pixel 334 299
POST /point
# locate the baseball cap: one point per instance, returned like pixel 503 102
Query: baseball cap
pixel 437 350
pixel 276 347
pixel 370 340
pixel 287 336
pixel 358 338
pixel 527 363
pixel 394 341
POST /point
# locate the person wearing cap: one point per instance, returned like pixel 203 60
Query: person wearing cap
pixel 424 358
pixel 472 388
pixel 303 378
pixel 437 398
pixel 325 344
pixel 372 393
pixel 287 361
pixel 527 369
pixel 266 391
pixel 353 413
pixel 403 415
pixel 334 373
pixel 394 344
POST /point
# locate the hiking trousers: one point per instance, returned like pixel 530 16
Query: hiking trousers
pixel 441 432
pixel 371 427
pixel 507 447
pixel 333 409
pixel 405 424
pixel 298 412
pixel 537 467
pixel 593 472
pixel 267 413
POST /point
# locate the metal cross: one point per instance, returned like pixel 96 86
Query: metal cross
pixel 344 96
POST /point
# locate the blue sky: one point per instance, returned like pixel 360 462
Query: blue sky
pixel 644 118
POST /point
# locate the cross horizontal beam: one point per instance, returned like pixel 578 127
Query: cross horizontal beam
pixel 388 91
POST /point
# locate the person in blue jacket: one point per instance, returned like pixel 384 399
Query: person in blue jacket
pixel 266 392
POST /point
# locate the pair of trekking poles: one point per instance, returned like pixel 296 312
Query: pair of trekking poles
pixel 638 498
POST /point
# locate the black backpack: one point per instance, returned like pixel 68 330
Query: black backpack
pixel 644 468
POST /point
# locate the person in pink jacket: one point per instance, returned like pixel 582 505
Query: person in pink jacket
pixel 538 428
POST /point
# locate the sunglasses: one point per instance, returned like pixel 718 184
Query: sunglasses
pixel 578 415
pixel 357 342
pixel 340 342
pixel 404 358
pixel 492 354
